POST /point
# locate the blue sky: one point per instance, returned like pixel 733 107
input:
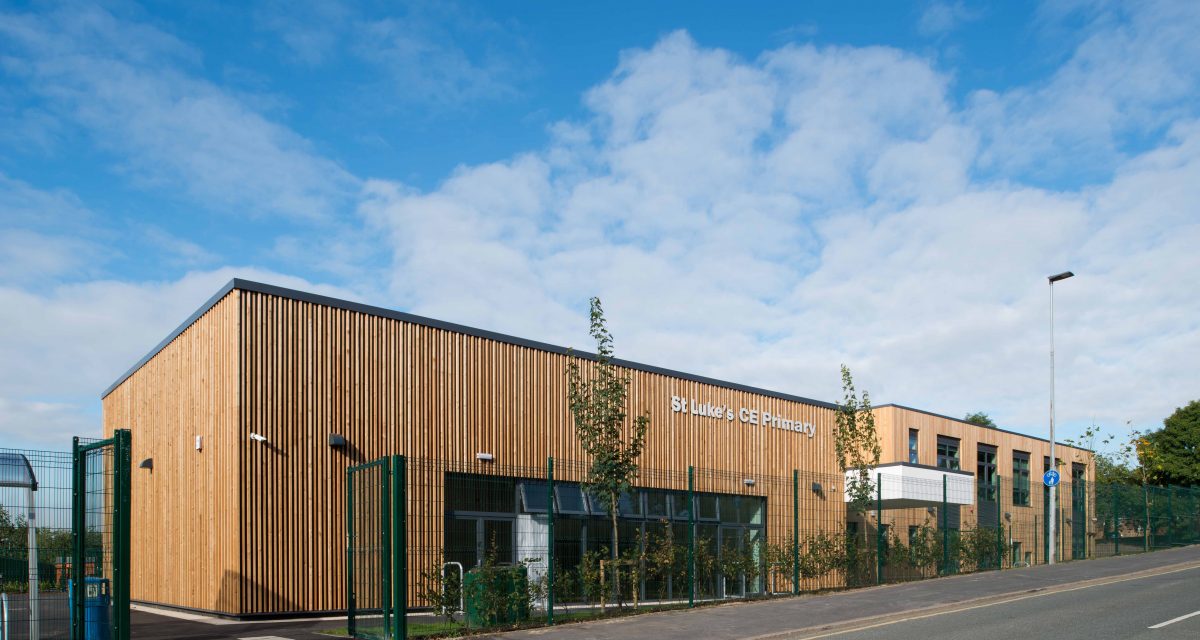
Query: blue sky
pixel 759 191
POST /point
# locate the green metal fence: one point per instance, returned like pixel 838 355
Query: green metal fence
pixel 35 543
pixel 498 546
pixel 100 526
pixel 376 584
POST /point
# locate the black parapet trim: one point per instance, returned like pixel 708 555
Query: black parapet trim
pixel 961 421
pixel 337 303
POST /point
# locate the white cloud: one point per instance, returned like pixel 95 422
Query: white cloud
pixel 133 89
pixel 940 18
pixel 1131 75
pixel 765 220
pixel 67 343
pixel 443 54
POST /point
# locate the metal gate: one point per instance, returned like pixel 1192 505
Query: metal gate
pixel 376 586
pixel 100 521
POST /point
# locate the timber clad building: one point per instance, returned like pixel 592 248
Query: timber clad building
pixel 248 526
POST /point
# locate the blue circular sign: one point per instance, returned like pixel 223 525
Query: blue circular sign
pixel 1050 479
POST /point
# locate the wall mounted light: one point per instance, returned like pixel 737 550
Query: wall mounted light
pixel 1008 516
pixel 337 441
pixel 816 487
pixel 199 443
pixel 749 482
pixel 148 463
pixel 483 457
pixel 257 438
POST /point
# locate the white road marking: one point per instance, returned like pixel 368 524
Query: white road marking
pixel 1100 582
pixel 1174 620
pixel 265 638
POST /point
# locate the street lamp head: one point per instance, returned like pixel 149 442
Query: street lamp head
pixel 1061 276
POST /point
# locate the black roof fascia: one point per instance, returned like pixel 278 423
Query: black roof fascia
pixel 338 303
pixel 960 420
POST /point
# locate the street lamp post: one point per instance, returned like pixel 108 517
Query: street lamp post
pixel 1052 517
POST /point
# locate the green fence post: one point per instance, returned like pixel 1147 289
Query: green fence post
pixel 550 540
pixel 1036 531
pixel 351 629
pixel 999 527
pixel 945 530
pixel 123 482
pixel 878 528
pixel 1116 523
pixel 1087 523
pixel 691 537
pixel 1170 517
pixel 795 531
pixel 385 550
pixel 400 546
pixel 78 504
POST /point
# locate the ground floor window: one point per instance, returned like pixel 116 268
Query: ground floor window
pixel 507 519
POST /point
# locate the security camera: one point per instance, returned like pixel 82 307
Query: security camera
pixel 258 438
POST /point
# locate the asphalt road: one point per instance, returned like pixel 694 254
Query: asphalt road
pixel 1093 600
pixel 1126 609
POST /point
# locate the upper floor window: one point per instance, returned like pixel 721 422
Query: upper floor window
pixel 947 453
pixel 913 458
pixel 1020 479
pixel 985 472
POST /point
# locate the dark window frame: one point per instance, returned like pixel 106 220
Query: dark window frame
pixel 1021 490
pixel 944 444
pixel 987 472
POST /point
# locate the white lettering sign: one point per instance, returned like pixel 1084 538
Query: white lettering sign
pixel 745 415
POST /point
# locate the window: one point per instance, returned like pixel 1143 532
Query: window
pixel 485 494
pixel 1020 479
pixel 535 496
pixel 629 504
pixel 913 458
pixel 985 472
pixel 680 508
pixel 570 499
pixel 750 510
pixel 947 453
pixel 657 504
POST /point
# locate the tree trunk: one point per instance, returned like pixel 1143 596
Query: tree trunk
pixel 612 512
pixel 1146 503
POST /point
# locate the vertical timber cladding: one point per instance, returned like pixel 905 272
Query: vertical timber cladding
pixel 396 387
pixel 894 423
pixel 185 515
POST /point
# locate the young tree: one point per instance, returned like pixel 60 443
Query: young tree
pixel 1135 460
pixel 857 445
pixel 597 397
pixel 980 418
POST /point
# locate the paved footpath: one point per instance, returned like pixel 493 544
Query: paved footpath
pixel 805 615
